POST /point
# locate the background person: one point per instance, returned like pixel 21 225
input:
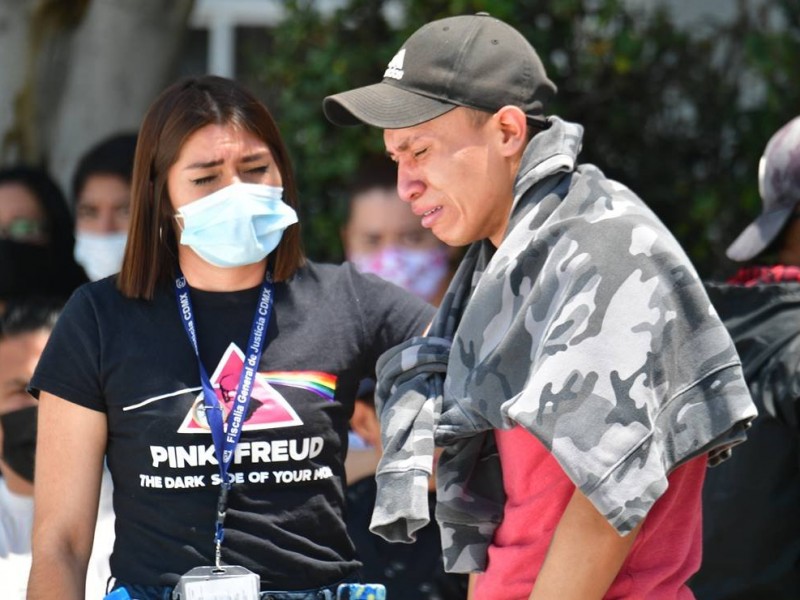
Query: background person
pixel 101 192
pixel 575 374
pixel 139 367
pixel 407 570
pixel 36 240
pixel 751 503
pixel 383 237
pixel 24 330
pixel 380 236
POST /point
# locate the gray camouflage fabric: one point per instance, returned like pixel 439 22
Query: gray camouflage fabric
pixel 589 327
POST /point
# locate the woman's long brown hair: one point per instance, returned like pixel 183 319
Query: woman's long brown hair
pixel 151 255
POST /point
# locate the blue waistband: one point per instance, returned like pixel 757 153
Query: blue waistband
pixel 156 592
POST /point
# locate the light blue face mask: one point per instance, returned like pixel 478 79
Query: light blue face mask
pixel 237 225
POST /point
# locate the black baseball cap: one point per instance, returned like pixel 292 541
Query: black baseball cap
pixel 476 61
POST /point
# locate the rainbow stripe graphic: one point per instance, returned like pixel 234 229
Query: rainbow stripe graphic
pixel 322 384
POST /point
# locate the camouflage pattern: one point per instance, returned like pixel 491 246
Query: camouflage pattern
pixel 590 328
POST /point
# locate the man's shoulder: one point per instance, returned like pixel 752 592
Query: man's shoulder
pixel 589 182
pixel 604 213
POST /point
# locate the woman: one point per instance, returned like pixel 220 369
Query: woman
pixel 35 237
pixel 146 368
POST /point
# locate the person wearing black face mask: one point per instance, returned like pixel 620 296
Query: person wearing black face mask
pixel 36 239
pixel 20 347
pixel 18 429
pixel 24 330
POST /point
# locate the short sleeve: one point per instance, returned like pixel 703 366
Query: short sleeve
pixel 389 314
pixel 69 365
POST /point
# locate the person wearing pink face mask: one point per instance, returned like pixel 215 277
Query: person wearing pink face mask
pixel 381 236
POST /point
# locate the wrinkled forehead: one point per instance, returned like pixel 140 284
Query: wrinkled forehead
pixel 456 127
pixel 397 141
pixel 216 142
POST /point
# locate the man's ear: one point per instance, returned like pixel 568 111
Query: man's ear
pixel 513 128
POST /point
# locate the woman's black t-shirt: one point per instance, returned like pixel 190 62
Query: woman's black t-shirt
pixel 133 360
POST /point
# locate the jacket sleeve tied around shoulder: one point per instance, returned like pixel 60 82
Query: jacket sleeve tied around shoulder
pixel 408 399
pixel 469 481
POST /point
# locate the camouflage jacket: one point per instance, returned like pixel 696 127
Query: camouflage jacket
pixel 589 327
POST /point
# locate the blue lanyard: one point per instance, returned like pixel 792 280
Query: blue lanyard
pixel 225 440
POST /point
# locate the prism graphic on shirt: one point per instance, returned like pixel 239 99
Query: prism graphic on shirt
pixel 268 409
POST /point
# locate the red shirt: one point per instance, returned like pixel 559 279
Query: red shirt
pixel 667 550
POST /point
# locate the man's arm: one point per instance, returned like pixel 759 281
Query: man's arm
pixel 70 446
pixel 584 557
pixel 471 586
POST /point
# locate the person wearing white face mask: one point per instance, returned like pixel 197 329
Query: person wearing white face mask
pixel 237 225
pixel 216 373
pixel 101 191
pixel 382 237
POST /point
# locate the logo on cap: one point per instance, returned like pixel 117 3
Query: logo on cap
pixel 395 68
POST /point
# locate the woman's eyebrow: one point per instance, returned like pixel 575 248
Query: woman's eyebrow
pixel 204 165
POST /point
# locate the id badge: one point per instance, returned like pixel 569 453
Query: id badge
pixel 218 583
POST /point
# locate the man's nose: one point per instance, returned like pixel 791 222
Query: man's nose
pixel 409 186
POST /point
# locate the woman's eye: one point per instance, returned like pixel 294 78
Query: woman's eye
pixel 203 180
pixel 259 170
pixel 419 153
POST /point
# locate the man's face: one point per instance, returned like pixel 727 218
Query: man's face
pixel 453 174
pixel 103 205
pixel 18 357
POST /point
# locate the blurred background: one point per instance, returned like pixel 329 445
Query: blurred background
pixel 678 97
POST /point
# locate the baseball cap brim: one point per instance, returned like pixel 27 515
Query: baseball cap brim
pixel 759 234
pixel 382 105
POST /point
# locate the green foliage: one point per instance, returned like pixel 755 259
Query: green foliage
pixel 680 116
